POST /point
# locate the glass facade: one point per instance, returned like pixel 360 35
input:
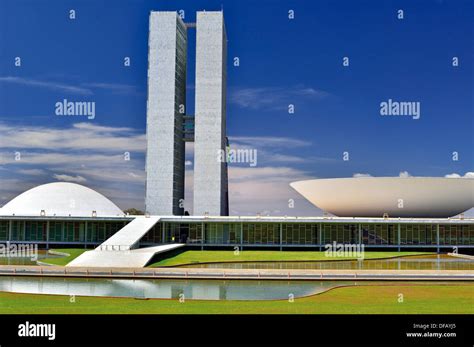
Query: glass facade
pixel 379 234
pixel 417 234
pixel 3 230
pixel 341 233
pixel 59 231
pixel 299 234
pixel 155 235
pixel 245 233
pixel 456 234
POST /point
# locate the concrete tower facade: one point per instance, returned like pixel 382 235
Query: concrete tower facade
pixel 166 128
pixel 210 173
pixel 167 56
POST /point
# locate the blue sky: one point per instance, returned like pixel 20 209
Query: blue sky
pixel 282 62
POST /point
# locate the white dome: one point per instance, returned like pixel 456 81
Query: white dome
pixel 61 199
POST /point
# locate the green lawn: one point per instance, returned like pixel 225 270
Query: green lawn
pixel 73 253
pixel 377 299
pixel 195 257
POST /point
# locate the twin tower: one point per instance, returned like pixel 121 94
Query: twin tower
pixel 168 125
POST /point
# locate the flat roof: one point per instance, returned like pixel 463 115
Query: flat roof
pixel 319 219
pixel 255 219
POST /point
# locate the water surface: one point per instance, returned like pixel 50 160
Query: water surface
pixel 168 289
pixel 424 262
pixel 26 260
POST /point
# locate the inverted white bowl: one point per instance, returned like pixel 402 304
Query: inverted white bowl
pixel 428 197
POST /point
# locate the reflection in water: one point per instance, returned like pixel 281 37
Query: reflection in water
pixel 168 289
pixel 26 260
pixel 430 262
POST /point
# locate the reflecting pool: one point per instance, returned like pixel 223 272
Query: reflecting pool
pixel 168 289
pixel 4 260
pixel 424 262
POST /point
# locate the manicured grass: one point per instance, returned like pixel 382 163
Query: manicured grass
pixel 73 253
pixel 366 299
pixel 195 257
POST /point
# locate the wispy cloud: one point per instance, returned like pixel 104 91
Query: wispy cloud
pixel 84 153
pixel 274 97
pixel 81 136
pixel 93 155
pixel 113 87
pixel 87 88
pixel 278 150
pixel 72 89
pixel 32 172
pixel 69 178
pixel 246 185
pixel 268 141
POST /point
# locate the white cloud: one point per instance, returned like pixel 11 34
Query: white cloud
pixel 273 97
pixel 113 87
pixel 80 136
pixel 82 153
pixel 80 88
pixel 47 84
pixel 33 172
pixel 270 148
pixel 404 174
pixel 456 175
pixel 267 141
pixel 93 154
pixel 361 175
pixel 266 190
pixel 67 178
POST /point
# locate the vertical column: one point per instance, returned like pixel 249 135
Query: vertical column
pixel 398 235
pixel 320 236
pixel 281 236
pixel 437 238
pixel 47 234
pixel 203 235
pixel 210 167
pixel 360 233
pixel 242 235
pixel 85 235
pixel 10 227
pixel 163 234
pixel 62 232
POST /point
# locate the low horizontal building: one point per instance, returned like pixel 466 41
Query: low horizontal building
pixel 45 216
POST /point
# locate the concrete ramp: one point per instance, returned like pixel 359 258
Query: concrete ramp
pixel 120 249
pixel 127 238
pixel 125 258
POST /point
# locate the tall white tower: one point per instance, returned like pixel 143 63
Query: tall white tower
pixel 210 173
pixel 167 46
pixel 166 117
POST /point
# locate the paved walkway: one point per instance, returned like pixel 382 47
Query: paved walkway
pixel 201 273
pixel 464 256
pixel 134 258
